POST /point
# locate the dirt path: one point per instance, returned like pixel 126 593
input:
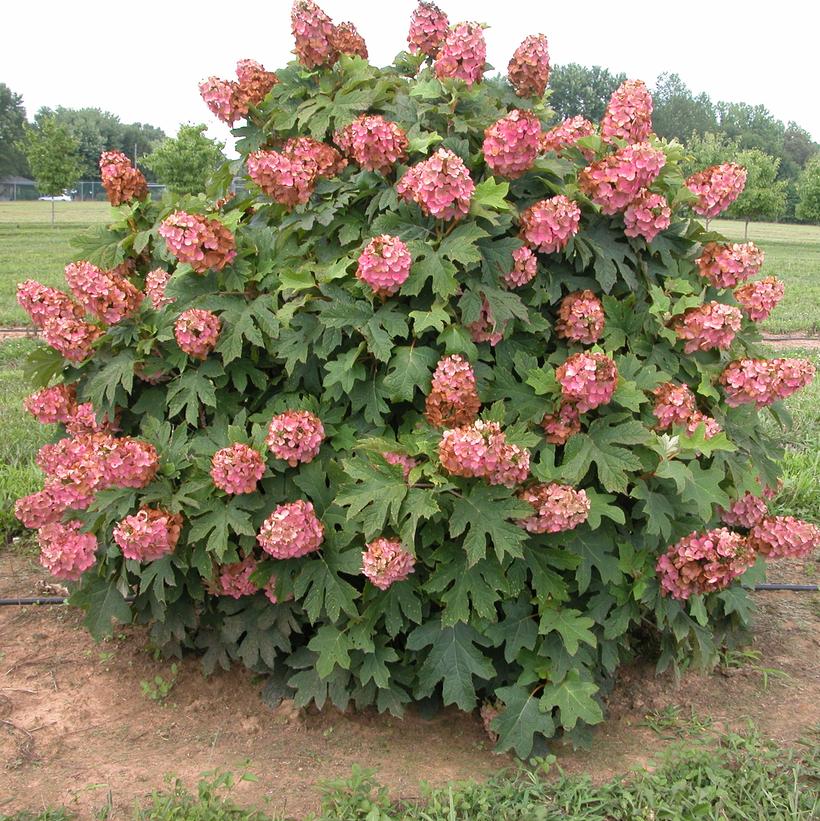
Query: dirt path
pixel 76 728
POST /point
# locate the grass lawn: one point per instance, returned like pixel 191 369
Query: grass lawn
pixel 31 248
pixel 793 255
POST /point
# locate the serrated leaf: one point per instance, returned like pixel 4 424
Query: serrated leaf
pixel 333 648
pixel 574 698
pixel 435 317
pixel 572 626
pixel 104 605
pixel 703 489
pixel 519 721
pixel 410 368
pixel 321 587
pixel 655 507
pixel 373 496
pixel 595 549
pixel 516 631
pixel 460 246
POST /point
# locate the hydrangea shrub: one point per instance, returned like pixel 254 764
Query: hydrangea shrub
pixel 449 400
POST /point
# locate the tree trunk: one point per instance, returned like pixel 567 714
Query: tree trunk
pixel 746 231
pixel 52 213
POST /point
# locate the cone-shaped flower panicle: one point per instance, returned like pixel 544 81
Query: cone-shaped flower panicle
pixel 428 28
pixel 760 298
pixel 780 537
pixel 201 242
pixel 314 33
pixel 375 143
pixel 745 511
pixel 43 303
pixel 73 339
pixel 387 561
pixel 703 563
pixel 566 134
pixel 440 185
pixel 588 380
pixel 254 81
pixel 384 265
pixel 674 404
pixel 763 381
pixel 525 267
pixel 224 99
pixel 529 68
pixel 292 530
pixel 65 551
pixel 616 180
pixel 482 450
pixel 55 404
pixel 347 40
pixel 107 295
pixel 512 143
pixel 237 468
pixel 83 419
pixel 453 399
pixel 708 326
pixel 149 534
pixel 155 282
pixel 560 426
pixel 197 332
pixel 557 508
pixel 580 317
pixel 647 215
pixel 727 265
pixel 628 115
pixel 549 225
pixel 122 182
pixel 463 54
pixel 716 188
pixel 295 436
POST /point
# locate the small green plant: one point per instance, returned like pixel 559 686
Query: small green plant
pixel 746 657
pixel 358 797
pixel 159 689
pixel 671 723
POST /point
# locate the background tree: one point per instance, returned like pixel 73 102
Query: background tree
pixel 712 148
pixel 764 197
pixel 578 89
pixel 53 156
pixel 808 189
pixel 185 162
pixel 677 113
pixel 12 131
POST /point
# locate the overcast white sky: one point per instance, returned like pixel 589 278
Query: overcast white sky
pixel 143 60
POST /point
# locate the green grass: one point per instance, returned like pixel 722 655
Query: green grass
pixel 31 248
pixel 793 255
pixel 728 779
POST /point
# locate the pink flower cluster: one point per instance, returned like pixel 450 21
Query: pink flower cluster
pixel 674 405
pixel 778 537
pixel 712 325
pixel 60 318
pixel 462 54
pixel 295 436
pixel 83 420
pixel 254 81
pixel 314 33
pixel 647 215
pixel 482 450
pixel 529 69
pixel 580 317
pixel 107 295
pixel 716 188
pixel 488 714
pixel 628 115
pixel 197 331
pixel 64 551
pixel 234 580
pixel 407 463
pixel 440 185
pixel 387 561
pixel 375 143
pixel 428 28
pixel 616 180
pixel 746 511
pixel 237 468
pixel 727 265
pixel 557 508
pixel 711 426
pixel 512 143
pixel 485 328
pixel 229 100
pixel 201 242
pixel 290 175
pixel 347 40
pixel 121 181
pixel 558 427
pixel 587 380
pixel 384 265
pixel 549 225
pixel 760 298
pixel 703 563
pixel 148 534
pixel 525 267
pixel 292 530
pixel 155 282
pixel 566 134
pixel 453 399
pixel 763 381
pixel 55 404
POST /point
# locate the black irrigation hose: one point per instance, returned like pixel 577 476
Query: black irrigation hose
pixel 798 588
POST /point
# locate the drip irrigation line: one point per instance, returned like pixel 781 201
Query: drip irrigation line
pixel 761 588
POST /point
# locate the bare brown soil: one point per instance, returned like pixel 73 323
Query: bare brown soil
pixel 76 730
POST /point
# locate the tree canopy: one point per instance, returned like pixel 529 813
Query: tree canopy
pixel 12 131
pixel 583 90
pixel 808 189
pixel 185 162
